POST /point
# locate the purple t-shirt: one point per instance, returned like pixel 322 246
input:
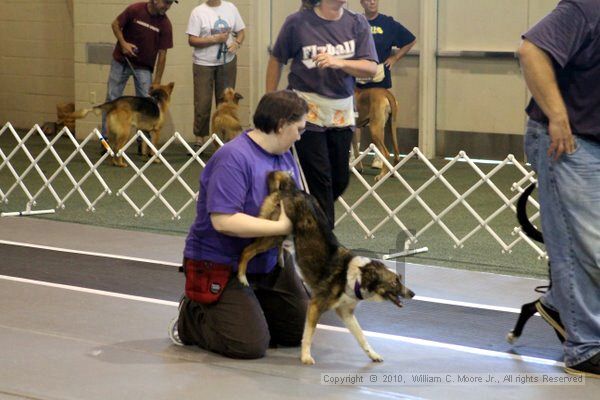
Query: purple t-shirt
pixel 304 35
pixel 234 180
pixel 570 34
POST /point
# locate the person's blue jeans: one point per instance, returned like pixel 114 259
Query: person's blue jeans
pixel 117 80
pixel 569 195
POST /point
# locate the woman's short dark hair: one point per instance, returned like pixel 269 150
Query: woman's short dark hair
pixel 276 109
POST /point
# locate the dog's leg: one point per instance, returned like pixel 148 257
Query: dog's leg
pixel 356 148
pixel 121 126
pixel 312 317
pixel 154 135
pixel 121 140
pixel 346 313
pixel 258 246
pixel 526 312
pixel 377 136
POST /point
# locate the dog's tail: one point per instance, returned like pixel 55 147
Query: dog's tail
pixel 394 122
pixel 526 225
pixel 105 107
pixel 81 113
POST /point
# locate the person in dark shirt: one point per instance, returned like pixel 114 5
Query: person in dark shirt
pixel 325 60
pixel 144 33
pixel 562 142
pixel 387 34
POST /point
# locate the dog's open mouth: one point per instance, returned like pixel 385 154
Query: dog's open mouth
pixel 395 299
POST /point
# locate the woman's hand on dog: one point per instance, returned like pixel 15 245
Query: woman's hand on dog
pixel 284 220
pixel 248 226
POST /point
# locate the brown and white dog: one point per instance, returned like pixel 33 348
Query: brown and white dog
pixel 226 121
pixel 144 113
pixel 338 278
pixel 375 107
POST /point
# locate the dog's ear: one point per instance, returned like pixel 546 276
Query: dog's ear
pixel 273 181
pixel 237 97
pixel 170 87
pixel 286 182
pixel 280 180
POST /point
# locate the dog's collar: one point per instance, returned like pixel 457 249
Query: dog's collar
pixel 357 292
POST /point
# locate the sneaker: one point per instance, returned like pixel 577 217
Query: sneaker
pixel 174 332
pixel 377 164
pixel 589 368
pixel 552 317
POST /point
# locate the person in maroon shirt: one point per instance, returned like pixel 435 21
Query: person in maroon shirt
pixel 144 34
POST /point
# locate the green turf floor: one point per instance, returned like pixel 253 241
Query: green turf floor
pixel 481 252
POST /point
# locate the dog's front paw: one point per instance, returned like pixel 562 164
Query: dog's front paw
pixel 307 359
pixel 374 356
pixel 379 177
pixel 243 280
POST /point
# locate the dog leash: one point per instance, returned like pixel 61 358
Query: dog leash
pixel 135 76
pixel 302 177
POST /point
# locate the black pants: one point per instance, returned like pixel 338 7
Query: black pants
pixel 246 320
pixel 324 158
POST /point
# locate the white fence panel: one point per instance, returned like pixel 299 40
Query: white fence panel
pixel 140 177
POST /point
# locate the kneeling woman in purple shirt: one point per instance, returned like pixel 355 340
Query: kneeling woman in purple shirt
pixel 217 313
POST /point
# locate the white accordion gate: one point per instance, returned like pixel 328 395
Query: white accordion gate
pixel 89 178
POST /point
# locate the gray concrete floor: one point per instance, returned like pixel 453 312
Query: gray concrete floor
pixel 60 343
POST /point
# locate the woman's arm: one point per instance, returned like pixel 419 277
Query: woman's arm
pixel 356 68
pixel 246 226
pixel 273 74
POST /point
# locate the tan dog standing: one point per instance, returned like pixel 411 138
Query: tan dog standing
pixel 226 121
pixel 375 107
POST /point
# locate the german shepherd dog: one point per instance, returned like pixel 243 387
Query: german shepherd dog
pixel 375 107
pixel 144 113
pixel 226 121
pixel 338 279
pixel 528 309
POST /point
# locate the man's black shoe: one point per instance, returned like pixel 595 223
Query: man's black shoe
pixel 552 317
pixel 589 368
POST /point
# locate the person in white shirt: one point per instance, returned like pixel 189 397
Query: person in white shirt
pixel 216 32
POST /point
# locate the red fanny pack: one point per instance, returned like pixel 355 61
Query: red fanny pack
pixel 205 280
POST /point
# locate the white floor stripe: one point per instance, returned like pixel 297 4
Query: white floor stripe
pixel 404 339
pixel 107 255
pixel 448 346
pixel 91 291
pixel 88 253
pixel 467 304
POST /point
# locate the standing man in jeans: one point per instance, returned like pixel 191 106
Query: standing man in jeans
pixel 144 34
pixel 562 70
pixel 216 32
